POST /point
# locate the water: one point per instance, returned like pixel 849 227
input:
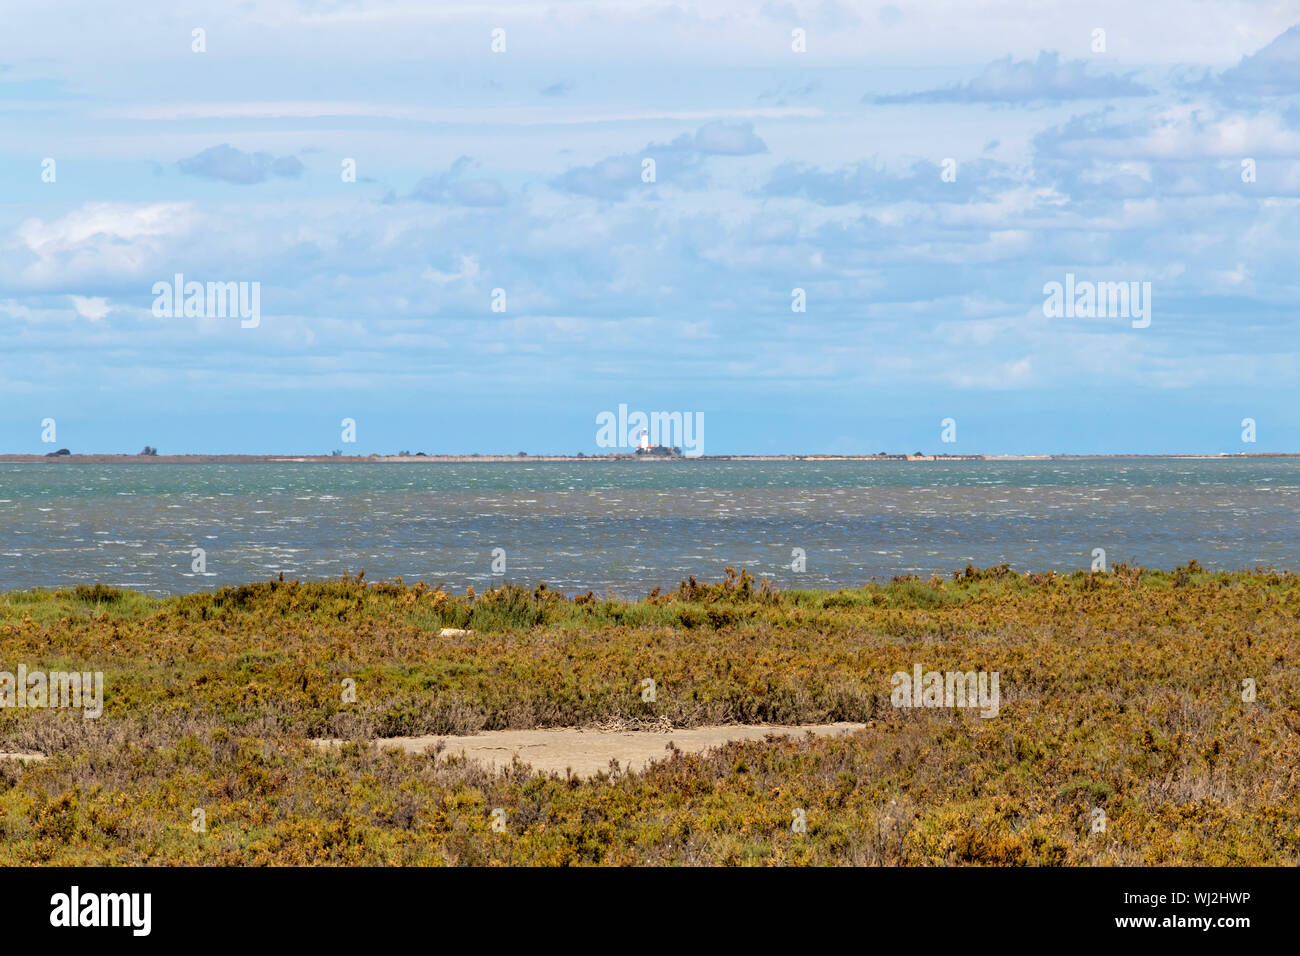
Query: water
pixel 631 526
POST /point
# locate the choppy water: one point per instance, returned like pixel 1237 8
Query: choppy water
pixel 631 526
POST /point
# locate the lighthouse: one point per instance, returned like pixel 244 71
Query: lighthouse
pixel 645 441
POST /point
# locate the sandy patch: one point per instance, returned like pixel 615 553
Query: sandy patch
pixel 26 758
pixel 587 752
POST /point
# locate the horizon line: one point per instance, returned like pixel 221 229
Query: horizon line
pixel 84 457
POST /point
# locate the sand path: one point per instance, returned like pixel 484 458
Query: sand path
pixel 584 751
pixel 587 752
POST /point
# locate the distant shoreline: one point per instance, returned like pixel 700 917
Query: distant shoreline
pixel 501 459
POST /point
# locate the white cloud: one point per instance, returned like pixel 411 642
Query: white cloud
pixel 93 308
pixel 469 273
pixel 100 240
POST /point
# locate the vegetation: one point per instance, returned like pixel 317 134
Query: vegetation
pixel 1119 691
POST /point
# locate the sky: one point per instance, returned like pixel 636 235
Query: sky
pixel 504 265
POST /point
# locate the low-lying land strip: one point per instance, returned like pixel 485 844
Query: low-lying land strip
pixel 115 459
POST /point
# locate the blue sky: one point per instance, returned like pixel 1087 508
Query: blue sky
pixel 774 170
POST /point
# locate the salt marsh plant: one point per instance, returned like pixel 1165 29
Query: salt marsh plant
pixel 1121 692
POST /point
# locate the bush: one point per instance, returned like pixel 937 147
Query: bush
pixel 99 594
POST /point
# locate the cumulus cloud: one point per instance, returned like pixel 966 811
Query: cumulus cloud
pixel 1170 153
pixel 1272 71
pixel 453 189
pixel 869 182
pixel 231 165
pixel 677 162
pixel 1178 132
pixel 93 308
pixel 721 138
pixel 1048 78
pixel 96 240
pixel 469 272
